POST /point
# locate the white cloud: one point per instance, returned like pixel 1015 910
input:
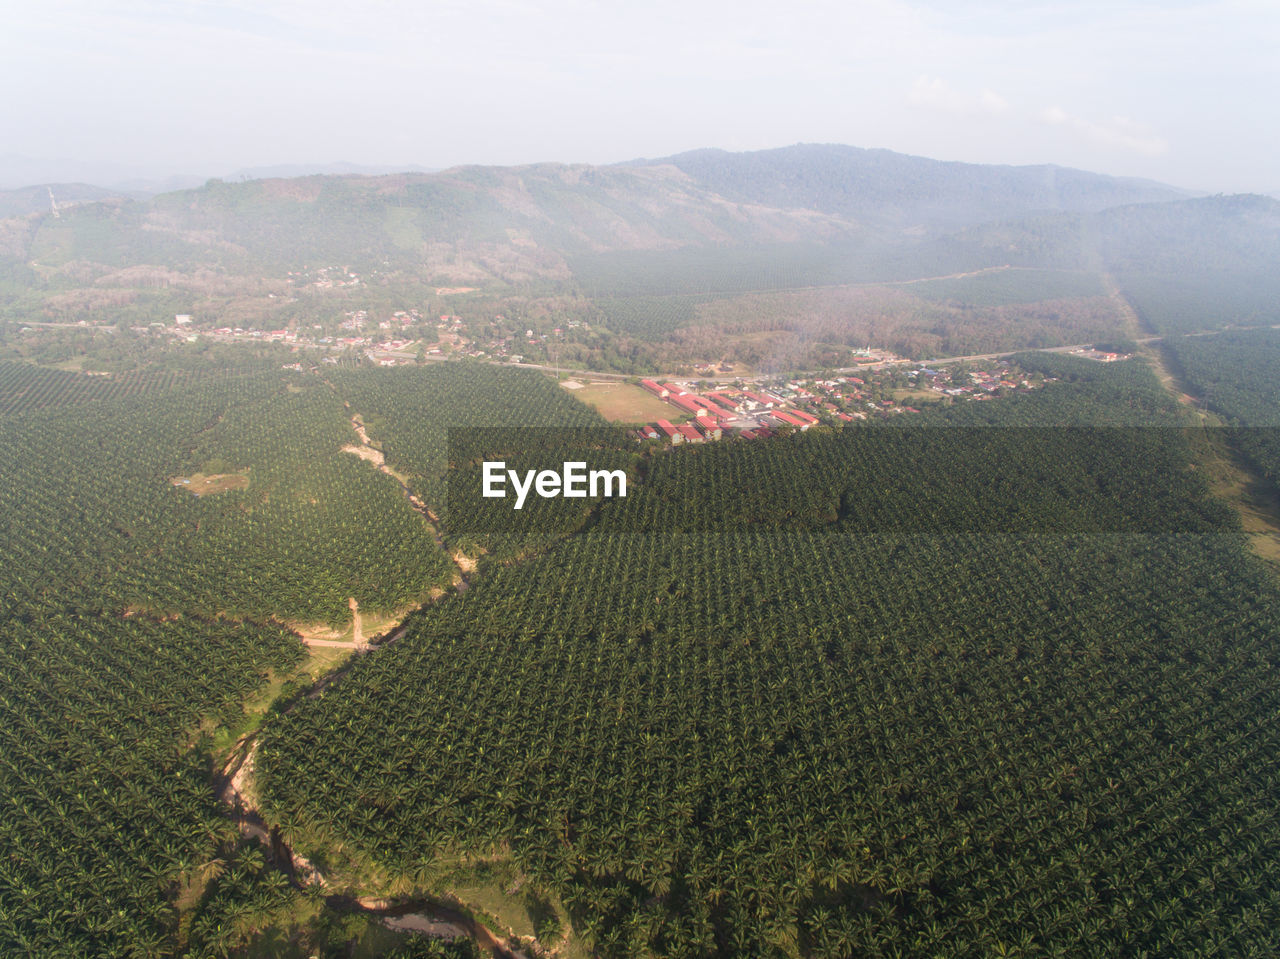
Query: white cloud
pixel 1120 132
pixel 933 93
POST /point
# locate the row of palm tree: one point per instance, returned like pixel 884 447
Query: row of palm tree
pixel 826 741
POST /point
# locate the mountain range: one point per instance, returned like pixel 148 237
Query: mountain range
pixel 706 222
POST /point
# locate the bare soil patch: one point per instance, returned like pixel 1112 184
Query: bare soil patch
pixel 319 632
pixel 202 484
pixel 366 453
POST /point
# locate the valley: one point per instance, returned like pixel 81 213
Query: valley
pixel 960 641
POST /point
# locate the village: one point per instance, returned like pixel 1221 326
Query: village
pixel 721 403
pixel 749 410
pixel 384 347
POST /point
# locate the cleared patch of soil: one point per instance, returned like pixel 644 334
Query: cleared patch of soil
pixel 366 453
pixel 206 484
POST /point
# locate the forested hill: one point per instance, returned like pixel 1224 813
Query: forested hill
pixel 595 244
pixel 896 189
pixel 475 223
pixel 1231 233
pixel 467 224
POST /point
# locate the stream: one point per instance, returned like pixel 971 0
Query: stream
pixel 421 914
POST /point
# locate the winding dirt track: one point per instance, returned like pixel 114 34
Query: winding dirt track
pixel 357 634
pixel 235 788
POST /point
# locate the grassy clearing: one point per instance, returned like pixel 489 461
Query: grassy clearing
pixel 206 484
pixel 375 623
pixel 312 929
pixel 1229 475
pixel 909 396
pixel 625 403
pixel 319 661
pixel 504 899
pixel 325 631
pixel 1232 480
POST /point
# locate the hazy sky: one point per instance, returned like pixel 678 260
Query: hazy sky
pixel 1181 91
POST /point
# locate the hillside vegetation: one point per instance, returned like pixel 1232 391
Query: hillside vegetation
pixel 609 247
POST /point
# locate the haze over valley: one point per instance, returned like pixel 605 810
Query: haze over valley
pixel 789 258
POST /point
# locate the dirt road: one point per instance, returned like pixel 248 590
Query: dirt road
pixel 357 634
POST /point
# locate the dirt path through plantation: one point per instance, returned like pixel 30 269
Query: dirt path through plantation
pixel 357 635
pixel 1231 477
pixel 236 789
pixel 366 452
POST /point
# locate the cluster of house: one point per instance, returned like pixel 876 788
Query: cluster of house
pixel 744 413
pixel 384 352
pixel 275 336
pixel 853 397
pixel 753 411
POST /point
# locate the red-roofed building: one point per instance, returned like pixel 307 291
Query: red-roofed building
pixel 685 403
pixel 790 419
pixel 760 398
pixel 670 431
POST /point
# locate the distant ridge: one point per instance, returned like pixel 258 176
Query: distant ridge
pixel 897 189
pixel 706 221
pixel 341 168
pixel 35 199
pixel 20 172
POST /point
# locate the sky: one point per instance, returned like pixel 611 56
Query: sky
pixel 1180 91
